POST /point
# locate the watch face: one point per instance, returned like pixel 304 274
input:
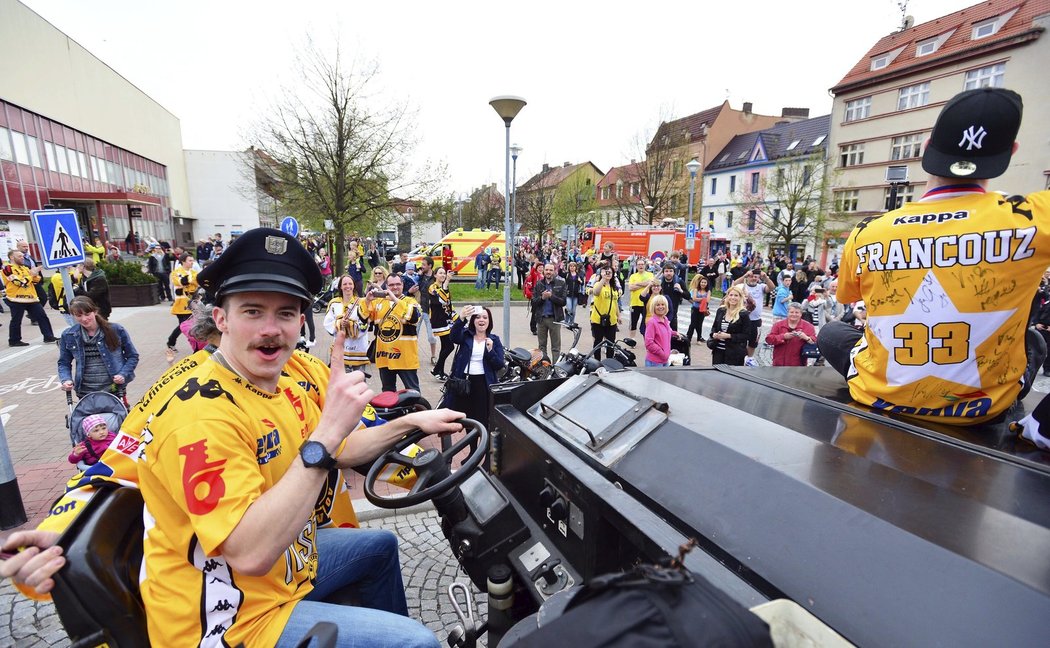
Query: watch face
pixel 313 453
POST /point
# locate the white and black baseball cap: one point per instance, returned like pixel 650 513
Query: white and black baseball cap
pixel 974 134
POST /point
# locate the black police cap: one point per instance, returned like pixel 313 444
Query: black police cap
pixel 262 260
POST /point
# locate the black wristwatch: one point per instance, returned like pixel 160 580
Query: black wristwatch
pixel 315 455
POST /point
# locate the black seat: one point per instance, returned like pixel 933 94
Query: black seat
pixel 96 593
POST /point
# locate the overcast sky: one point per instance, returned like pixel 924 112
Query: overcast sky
pixel 595 75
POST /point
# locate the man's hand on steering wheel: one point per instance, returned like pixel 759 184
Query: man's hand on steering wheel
pixel 441 421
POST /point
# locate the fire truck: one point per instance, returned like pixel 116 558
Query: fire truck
pixel 650 241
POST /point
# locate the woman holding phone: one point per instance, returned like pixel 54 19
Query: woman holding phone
pixel 474 367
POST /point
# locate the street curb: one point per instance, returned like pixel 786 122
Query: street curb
pixel 367 511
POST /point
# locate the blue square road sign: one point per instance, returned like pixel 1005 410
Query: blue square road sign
pixel 59 236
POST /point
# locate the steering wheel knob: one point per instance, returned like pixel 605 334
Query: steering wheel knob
pixel 425 457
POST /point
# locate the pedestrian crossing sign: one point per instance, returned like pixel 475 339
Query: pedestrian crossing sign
pixel 59 236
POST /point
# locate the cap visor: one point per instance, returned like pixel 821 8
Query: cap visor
pixel 939 164
pixel 266 285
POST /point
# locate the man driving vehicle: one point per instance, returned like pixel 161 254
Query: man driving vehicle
pixel 233 553
pixel 947 279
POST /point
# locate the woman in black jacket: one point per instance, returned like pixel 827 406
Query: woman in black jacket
pixel 730 330
pixel 575 288
pixel 478 357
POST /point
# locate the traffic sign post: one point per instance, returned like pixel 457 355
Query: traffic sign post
pixel 290 226
pixel 59 236
pixel 690 236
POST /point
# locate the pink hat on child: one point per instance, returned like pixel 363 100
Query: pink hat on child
pixel 91 421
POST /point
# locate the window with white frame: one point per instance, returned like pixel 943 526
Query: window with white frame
pixel 858 109
pixel 33 144
pixel 991 76
pixel 991 26
pixel 619 190
pixel 752 219
pixel 792 145
pixel 732 183
pixel 723 158
pixel 851 155
pixel 74 168
pixel 883 60
pixel 926 47
pixel 743 154
pixel 605 192
pixel 49 153
pixel 729 219
pixel 6 152
pixel 846 201
pixel 636 189
pixel 21 151
pixel 906 147
pixel 819 140
pixel 61 156
pixel 714 186
pixel 904 194
pixel 913 96
pixel 754 182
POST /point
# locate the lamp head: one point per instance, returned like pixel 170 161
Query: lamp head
pixel 515 149
pixel 507 107
pixel 693 166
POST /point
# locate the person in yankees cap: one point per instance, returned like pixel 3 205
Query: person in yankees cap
pixel 948 279
pixel 233 466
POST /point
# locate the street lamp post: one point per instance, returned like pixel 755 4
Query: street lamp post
pixel 459 211
pixel 507 107
pixel 515 150
pixel 693 167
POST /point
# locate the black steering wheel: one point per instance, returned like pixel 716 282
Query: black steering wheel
pixel 433 467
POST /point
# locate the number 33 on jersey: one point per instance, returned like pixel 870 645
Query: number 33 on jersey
pixel 948 286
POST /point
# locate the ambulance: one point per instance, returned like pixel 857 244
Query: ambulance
pixel 466 245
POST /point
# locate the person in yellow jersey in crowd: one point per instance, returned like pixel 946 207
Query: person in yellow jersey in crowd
pixel 396 317
pixel 636 283
pixel 948 279
pixel 226 492
pixel 184 282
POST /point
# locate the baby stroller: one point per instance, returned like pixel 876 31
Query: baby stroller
pixel 108 405
pixel 680 350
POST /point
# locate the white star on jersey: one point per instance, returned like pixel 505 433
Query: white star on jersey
pixel 929 306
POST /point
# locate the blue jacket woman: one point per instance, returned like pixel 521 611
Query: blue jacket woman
pixel 103 351
pixel 479 356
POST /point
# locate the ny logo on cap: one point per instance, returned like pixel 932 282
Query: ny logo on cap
pixel 973 138
pixel 276 245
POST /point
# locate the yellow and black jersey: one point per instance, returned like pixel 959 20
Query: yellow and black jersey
pixel 396 332
pixel 948 285
pixel 211 449
pixel 441 312
pixel 185 285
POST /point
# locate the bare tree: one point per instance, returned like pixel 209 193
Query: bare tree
pixel 484 209
pixel 339 155
pixel 574 201
pixel 535 210
pixel 791 203
pixel 659 175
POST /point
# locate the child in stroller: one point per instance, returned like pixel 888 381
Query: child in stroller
pixel 94 407
pixel 680 348
pixel 97 437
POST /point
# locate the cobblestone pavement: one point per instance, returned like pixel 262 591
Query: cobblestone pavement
pixel 427 566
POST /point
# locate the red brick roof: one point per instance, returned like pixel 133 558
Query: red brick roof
pixel 628 173
pixel 1017 30
pixel 692 126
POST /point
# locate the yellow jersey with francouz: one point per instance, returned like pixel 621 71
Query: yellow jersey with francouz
pixel 211 450
pixel 948 285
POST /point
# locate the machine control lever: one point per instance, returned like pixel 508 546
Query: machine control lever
pixel 465 633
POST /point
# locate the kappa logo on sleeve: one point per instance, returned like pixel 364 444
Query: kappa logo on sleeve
pixel 202 482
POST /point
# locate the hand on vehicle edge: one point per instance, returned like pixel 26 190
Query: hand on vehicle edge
pixel 36 563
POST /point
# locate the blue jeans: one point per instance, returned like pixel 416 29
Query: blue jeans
pixel 479 283
pixel 570 308
pixel 367 558
pixel 650 363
